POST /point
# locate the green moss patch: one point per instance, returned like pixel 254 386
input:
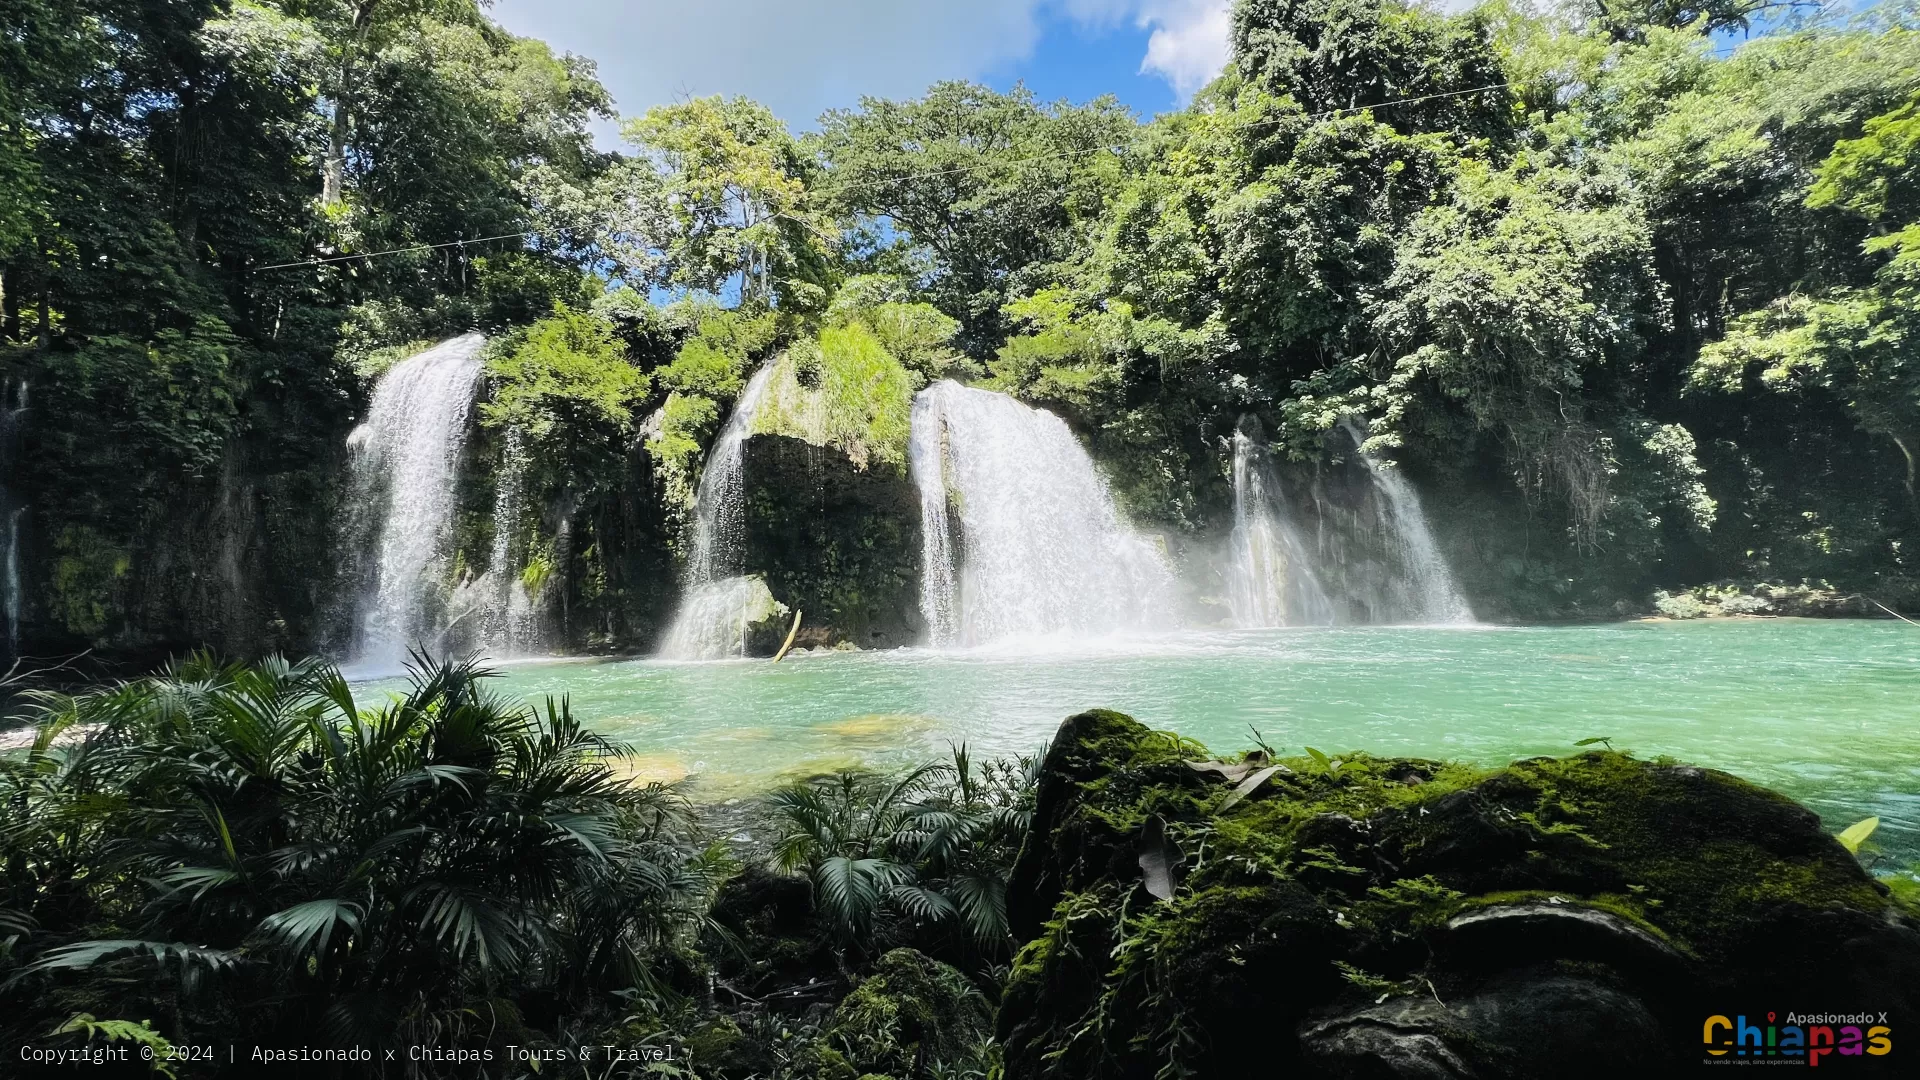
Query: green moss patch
pixel 1341 882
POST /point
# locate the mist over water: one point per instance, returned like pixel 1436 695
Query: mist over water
pixel 1270 580
pixel 1021 537
pixel 1421 588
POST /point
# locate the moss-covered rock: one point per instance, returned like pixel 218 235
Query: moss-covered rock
pixel 764 939
pixel 1361 916
pixel 835 540
pixel 913 1012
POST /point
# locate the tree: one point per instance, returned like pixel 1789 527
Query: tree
pixel 737 186
pixel 354 33
pixel 1508 298
pixel 1417 70
pixel 989 191
pixel 1860 344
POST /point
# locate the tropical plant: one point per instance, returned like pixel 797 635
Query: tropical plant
pixel 934 845
pixel 265 848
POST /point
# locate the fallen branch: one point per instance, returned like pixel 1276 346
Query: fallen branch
pixel 1889 610
pixel 14 675
pixel 790 634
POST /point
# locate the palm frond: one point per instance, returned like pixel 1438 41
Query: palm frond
pixel 306 928
pixel 85 954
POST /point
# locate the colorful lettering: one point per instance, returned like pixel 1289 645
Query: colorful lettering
pixel 1706 1034
pixel 1819 1041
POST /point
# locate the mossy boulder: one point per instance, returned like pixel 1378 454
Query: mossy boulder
pixel 836 539
pixel 765 942
pixel 911 1014
pixel 1362 916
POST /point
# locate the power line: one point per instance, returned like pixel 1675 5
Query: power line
pixel 905 177
pixel 395 251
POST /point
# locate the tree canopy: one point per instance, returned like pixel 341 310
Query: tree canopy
pixel 1591 268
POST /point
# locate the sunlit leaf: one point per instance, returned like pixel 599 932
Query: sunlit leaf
pixel 1856 834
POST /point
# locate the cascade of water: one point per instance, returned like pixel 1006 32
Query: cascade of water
pixel 404 461
pixel 12 405
pixel 13 579
pixel 717 618
pixel 700 629
pixel 931 467
pixel 510 618
pixel 1042 551
pixel 1424 591
pixel 1271 581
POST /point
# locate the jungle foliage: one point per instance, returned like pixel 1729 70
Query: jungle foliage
pixel 246 851
pixel 246 854
pixel 1631 284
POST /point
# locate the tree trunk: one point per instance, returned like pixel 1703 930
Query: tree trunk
pixel 333 172
pixel 1913 497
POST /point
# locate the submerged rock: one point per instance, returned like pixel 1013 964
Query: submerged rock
pixel 1368 917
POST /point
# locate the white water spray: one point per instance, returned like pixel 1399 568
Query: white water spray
pixel 712 603
pixel 13 579
pixel 717 618
pixel 1424 591
pixel 404 462
pixel 1270 580
pixel 1039 549
pixel 509 611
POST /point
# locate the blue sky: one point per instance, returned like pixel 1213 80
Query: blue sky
pixel 803 56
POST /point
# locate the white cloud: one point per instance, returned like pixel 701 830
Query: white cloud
pixel 799 56
pixel 1189 43
pixel 1189 38
pixel 804 56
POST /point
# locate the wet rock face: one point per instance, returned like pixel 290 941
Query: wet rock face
pixel 836 541
pixel 1364 917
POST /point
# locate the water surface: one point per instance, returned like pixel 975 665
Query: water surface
pixel 1827 711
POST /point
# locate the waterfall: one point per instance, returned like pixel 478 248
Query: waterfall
pixel 1270 581
pixel 404 461
pixel 712 597
pixel 1020 535
pixel 932 468
pixel 509 613
pixel 717 619
pixel 1424 591
pixel 12 405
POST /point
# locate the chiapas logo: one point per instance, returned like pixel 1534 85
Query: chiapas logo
pixel 1812 1036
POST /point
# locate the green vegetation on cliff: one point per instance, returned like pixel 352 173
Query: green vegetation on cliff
pixel 1634 296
